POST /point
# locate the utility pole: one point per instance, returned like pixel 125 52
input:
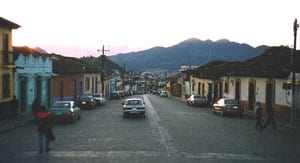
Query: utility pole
pixel 293 110
pixel 102 58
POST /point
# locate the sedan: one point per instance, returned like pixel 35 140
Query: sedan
pixel 100 100
pixel 134 106
pixel 65 110
pixel 228 106
pixel 197 100
pixel 163 94
pixel 86 102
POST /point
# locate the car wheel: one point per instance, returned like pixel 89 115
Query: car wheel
pixel 241 115
pixel 222 113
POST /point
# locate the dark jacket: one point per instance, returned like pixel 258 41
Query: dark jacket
pixel 35 106
pixel 258 112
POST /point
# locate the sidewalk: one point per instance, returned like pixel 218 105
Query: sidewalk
pixel 285 125
pixel 12 123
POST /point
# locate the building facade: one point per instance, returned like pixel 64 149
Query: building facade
pixel 6 66
pixel 32 78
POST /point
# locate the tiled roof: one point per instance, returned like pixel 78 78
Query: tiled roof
pixel 61 64
pixel 274 63
pixel 215 69
pixel 66 65
pixel 8 24
pixel 26 51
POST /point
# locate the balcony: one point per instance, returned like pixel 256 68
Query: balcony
pixel 7 59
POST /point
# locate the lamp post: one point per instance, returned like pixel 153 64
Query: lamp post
pixel 102 58
pixel 293 113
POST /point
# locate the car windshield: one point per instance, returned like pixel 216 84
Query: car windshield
pixel 97 96
pixel 231 102
pixel 200 97
pixel 134 102
pixel 61 105
pixel 84 98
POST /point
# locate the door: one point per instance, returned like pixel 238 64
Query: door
pixel 269 95
pixel 39 89
pixel 237 90
pixel 209 94
pixel 23 92
pixel 251 95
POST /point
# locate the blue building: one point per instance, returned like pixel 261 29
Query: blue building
pixel 32 77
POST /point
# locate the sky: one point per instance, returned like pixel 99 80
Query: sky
pixel 80 27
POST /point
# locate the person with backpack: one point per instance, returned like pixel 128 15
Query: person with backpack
pixel 44 123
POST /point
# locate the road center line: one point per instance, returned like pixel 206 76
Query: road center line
pixel 164 135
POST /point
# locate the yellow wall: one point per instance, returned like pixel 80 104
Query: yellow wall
pixel 6 69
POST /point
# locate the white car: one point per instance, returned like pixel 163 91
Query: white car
pixel 100 100
pixel 134 106
pixel 163 94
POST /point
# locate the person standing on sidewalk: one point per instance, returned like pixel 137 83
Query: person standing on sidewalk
pixel 35 108
pixel 44 123
pixel 258 115
pixel 270 118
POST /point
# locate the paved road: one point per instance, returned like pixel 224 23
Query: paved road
pixel 170 132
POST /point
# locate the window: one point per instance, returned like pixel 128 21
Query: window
pixel 87 84
pixel 5 46
pixel 226 86
pixel 199 88
pixel 5 85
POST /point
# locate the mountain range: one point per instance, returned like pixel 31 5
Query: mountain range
pixel 192 51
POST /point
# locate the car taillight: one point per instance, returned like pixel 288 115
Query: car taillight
pixel 70 113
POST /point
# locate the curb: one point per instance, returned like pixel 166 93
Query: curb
pixel 14 125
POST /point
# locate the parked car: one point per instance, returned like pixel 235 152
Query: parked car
pixel 100 100
pixel 65 110
pixel 117 95
pixel 134 106
pixel 227 106
pixel 197 100
pixel 163 94
pixel 86 102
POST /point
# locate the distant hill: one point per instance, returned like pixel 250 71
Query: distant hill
pixel 192 51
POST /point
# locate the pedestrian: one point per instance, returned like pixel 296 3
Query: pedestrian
pixel 44 124
pixel 270 117
pixel 35 108
pixel 14 106
pixel 258 116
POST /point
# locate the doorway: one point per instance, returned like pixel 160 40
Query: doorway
pixel 251 95
pixel 270 94
pixel 23 95
pixel 238 89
